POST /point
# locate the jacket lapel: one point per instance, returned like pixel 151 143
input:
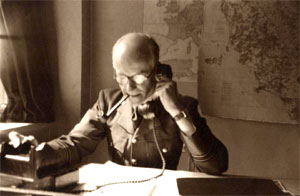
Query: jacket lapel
pixel 125 114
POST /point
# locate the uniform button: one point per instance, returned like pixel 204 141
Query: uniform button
pixel 133 140
pixel 164 150
pixel 133 161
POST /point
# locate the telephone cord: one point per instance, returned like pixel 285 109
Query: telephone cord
pixel 135 181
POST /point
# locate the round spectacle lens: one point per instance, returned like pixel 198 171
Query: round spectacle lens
pixel 139 79
pixel 121 79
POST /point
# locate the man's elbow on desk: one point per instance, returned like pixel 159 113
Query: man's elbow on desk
pixel 215 165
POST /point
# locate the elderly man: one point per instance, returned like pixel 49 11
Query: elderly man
pixel 146 121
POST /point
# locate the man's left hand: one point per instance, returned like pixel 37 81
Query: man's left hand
pixel 166 90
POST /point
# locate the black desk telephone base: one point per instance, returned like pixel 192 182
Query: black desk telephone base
pixel 19 165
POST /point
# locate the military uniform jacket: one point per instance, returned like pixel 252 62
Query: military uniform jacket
pixel 136 146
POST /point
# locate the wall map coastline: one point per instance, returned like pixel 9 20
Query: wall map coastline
pixel 243 55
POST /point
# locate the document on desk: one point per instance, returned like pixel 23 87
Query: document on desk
pixel 115 179
pixel 171 182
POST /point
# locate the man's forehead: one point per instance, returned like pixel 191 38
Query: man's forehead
pixel 134 47
pixel 119 50
pixel 125 57
pixel 133 66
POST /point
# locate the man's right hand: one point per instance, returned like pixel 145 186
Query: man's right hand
pixel 17 139
pixel 19 144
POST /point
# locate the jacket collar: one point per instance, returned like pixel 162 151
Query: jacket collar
pixel 125 114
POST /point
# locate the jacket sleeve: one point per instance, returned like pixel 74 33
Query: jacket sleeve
pixel 81 141
pixel 207 152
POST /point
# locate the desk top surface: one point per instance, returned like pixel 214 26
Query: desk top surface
pixel 92 175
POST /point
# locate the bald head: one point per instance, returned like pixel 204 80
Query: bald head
pixel 136 47
pixel 134 58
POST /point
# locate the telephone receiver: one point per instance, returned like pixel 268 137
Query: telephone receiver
pixel 163 69
pixel 149 109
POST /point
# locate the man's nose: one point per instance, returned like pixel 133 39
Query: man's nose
pixel 130 85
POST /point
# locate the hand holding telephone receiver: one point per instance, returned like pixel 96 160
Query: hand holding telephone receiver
pixel 148 109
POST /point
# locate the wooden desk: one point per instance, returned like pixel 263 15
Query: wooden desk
pixel 92 175
pixel 95 174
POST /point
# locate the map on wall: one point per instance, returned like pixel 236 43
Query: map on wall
pixel 244 55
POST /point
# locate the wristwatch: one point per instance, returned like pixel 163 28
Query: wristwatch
pixel 179 116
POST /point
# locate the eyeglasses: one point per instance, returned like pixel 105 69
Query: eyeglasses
pixel 137 79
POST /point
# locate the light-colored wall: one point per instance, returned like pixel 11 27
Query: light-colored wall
pixel 259 149
pixel 62 22
pixel 68 23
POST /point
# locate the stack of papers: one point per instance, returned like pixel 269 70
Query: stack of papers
pixel 115 179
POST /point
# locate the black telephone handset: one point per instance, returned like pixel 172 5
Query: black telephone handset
pixel 164 69
pixel 150 108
